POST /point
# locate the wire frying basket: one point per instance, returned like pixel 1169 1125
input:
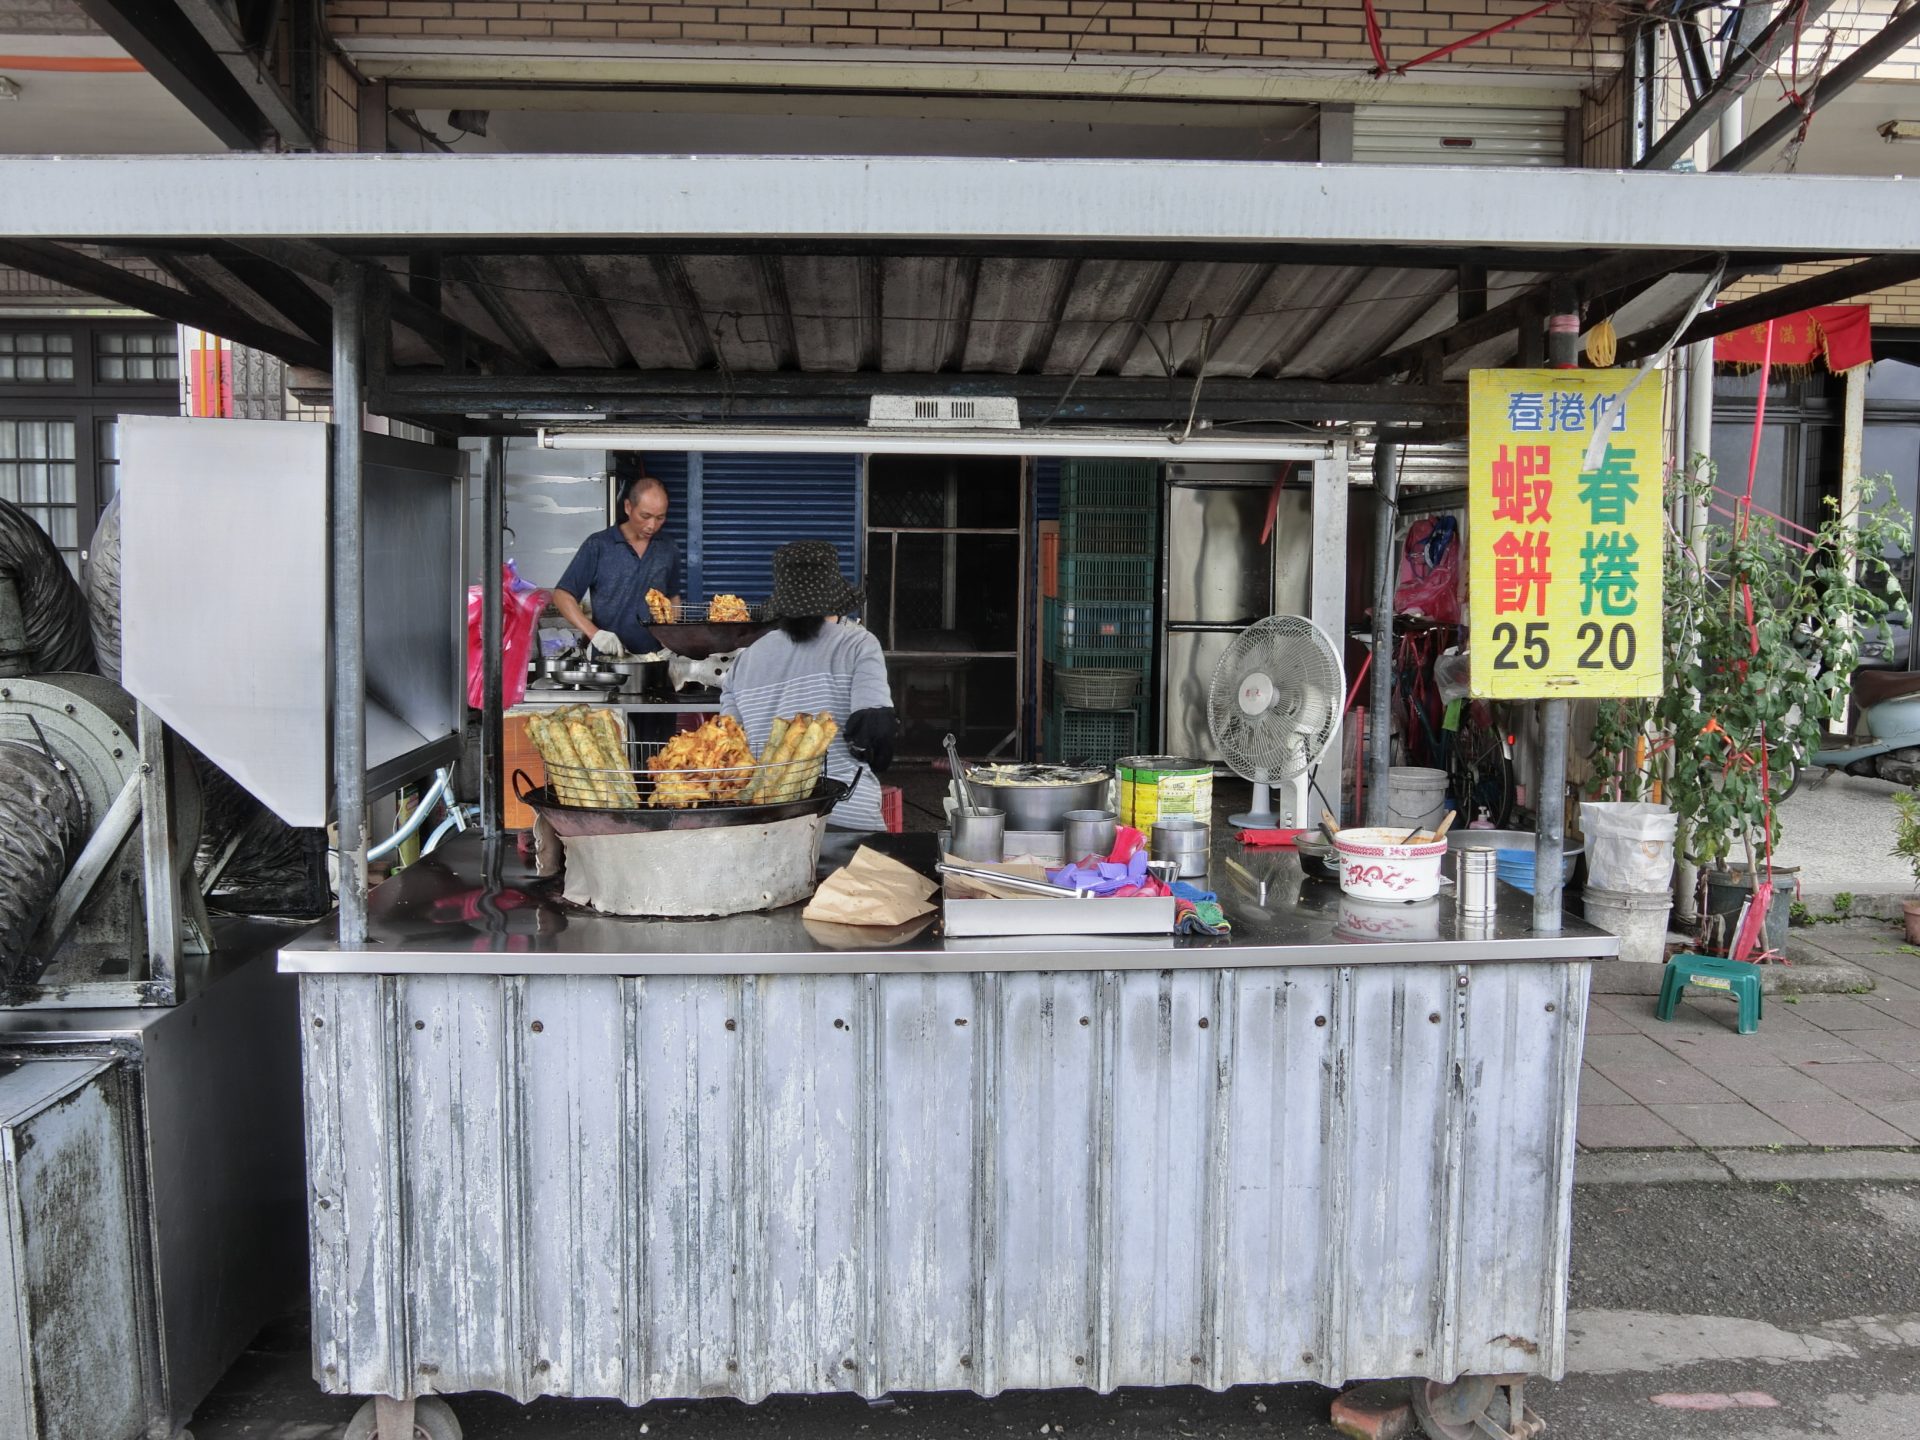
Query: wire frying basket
pixel 652 779
pixel 722 610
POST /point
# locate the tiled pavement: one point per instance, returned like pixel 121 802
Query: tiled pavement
pixel 1824 1070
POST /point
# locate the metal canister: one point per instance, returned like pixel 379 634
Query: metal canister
pixel 1184 842
pixel 1474 876
pixel 1159 787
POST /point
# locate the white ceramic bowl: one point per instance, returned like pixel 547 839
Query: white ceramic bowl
pixel 1373 866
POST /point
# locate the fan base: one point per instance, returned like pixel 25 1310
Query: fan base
pixel 1255 820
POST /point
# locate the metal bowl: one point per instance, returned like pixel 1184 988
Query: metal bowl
pixel 1032 805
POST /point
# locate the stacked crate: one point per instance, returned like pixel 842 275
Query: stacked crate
pixel 1102 618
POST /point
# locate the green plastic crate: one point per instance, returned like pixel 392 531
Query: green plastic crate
pixel 1109 485
pixel 1108 579
pixel 1097 737
pixel 1109 532
pixel 1100 628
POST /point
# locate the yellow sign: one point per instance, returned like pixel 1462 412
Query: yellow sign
pixel 1564 530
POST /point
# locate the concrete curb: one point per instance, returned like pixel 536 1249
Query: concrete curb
pixel 1747 1167
pixel 1873 905
pixel 1814 970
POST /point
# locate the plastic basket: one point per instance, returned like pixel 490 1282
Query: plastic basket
pixel 1106 579
pixel 1109 532
pixel 1140 662
pixel 1109 485
pixel 1101 689
pixel 1097 737
pixel 1090 629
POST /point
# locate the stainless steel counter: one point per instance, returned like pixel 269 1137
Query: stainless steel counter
pixel 448 915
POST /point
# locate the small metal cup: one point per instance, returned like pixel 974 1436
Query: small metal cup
pixel 1474 873
pixel 1088 832
pixel 980 835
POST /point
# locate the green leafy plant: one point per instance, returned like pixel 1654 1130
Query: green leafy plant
pixel 1906 831
pixel 1760 641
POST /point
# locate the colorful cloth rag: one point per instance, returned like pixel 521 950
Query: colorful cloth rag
pixel 1198 912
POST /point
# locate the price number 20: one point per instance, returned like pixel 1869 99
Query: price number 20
pixel 1601 648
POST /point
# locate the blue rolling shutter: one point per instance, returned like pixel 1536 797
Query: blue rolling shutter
pixel 1046 487
pixel 749 505
pixel 669 467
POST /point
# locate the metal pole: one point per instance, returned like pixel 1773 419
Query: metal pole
pixel 1386 506
pixel 492 721
pixel 1550 791
pixel 349 611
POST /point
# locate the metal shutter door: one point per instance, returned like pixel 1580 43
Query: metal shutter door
pixel 1458 135
pixel 749 505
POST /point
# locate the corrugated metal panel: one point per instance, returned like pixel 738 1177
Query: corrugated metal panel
pixel 751 504
pixel 601 1186
pixel 1420 465
pixel 1458 135
pixel 1046 487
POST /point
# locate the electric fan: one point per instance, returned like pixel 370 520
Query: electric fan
pixel 1273 707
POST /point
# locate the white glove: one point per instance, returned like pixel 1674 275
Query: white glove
pixel 607 643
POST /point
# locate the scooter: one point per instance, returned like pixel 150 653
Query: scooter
pixel 1889 704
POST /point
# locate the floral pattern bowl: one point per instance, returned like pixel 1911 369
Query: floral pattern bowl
pixel 1375 865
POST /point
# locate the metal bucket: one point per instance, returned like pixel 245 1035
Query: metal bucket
pixel 1160 787
pixel 1639 920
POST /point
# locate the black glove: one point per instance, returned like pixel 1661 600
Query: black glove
pixel 870 736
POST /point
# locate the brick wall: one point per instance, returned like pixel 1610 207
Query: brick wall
pixel 1315 30
pixel 1899 305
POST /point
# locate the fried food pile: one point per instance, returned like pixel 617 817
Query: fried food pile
pixel 713 763
pixel 659 608
pixel 728 610
pixel 795 754
pixel 585 752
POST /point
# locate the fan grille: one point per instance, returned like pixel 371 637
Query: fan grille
pixel 1275 699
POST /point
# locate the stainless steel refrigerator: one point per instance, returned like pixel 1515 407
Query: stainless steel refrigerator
pixel 1219 576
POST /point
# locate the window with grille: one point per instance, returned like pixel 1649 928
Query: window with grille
pixel 36 357
pixel 40 472
pixel 135 356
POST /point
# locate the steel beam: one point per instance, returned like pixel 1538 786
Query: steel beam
pixel 592 309
pixel 204 312
pixel 1615 273
pixel 448 337
pixel 1889 40
pixel 250 71
pixel 349 609
pixel 1741 71
pixel 1833 288
pixel 155 34
pixel 412 201
pixel 522 347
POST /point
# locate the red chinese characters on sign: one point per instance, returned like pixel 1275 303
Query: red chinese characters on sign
pixel 1522 496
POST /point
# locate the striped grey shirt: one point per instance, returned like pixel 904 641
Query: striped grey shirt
pixel 842 670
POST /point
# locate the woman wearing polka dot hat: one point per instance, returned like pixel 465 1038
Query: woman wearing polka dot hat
pixel 813 661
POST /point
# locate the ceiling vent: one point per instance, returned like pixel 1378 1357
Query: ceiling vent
pixel 974 412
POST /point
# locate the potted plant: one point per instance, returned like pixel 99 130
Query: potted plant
pixel 1906 845
pixel 1761 637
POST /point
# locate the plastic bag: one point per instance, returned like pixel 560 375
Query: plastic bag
pixel 1430 571
pixel 520 607
pixel 1629 845
pixel 1452 675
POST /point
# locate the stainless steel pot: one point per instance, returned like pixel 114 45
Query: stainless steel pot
pixel 1032 805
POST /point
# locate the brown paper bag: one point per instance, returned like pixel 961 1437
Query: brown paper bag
pixel 872 890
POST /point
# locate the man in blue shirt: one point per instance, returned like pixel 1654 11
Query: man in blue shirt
pixel 616 567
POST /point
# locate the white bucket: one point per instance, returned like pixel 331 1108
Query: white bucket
pixel 1639 920
pixel 1415 796
pixel 1374 867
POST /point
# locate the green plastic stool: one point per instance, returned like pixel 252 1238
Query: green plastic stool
pixel 1711 972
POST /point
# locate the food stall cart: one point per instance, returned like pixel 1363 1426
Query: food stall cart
pixel 559 1153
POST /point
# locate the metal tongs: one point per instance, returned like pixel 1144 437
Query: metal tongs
pixel 956 777
pixel 1015 882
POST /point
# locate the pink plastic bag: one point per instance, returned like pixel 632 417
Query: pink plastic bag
pixel 520 607
pixel 1430 571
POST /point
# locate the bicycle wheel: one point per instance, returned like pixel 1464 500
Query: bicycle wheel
pixel 1479 770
